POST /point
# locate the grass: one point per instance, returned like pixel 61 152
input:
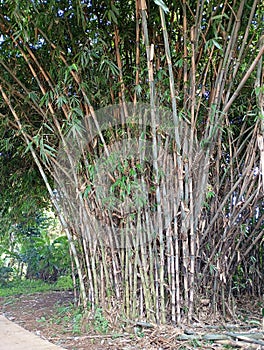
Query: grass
pixel 25 286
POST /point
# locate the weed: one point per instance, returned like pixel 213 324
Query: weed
pixel 77 322
pixel 195 343
pixel 100 322
pixel 139 332
pixel 69 315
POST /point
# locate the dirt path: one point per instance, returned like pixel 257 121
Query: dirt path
pixel 52 316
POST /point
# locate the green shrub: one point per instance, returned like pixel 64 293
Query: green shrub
pixel 5 275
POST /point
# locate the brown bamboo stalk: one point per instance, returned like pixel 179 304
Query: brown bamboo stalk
pixel 134 272
pixel 244 79
pixel 241 50
pixel 120 67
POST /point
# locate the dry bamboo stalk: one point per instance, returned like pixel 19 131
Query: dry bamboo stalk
pixel 189 176
pixel 192 254
pixel 93 250
pixel 177 264
pixel 244 79
pixel 185 216
pixel 127 295
pixel 120 67
pixel 115 256
pixel 89 274
pixel 131 270
pixel 151 255
pixel 106 270
pixel 241 50
pixel 169 254
pixel 260 99
pixel 178 158
pixel 134 290
pixel 143 267
pixel 156 271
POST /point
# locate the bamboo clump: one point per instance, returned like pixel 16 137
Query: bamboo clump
pixel 160 199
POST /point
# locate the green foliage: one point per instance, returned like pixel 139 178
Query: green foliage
pixel 69 315
pixel 100 323
pixel 46 259
pixel 22 191
pixel 36 249
pixel 64 283
pixel 5 275
pixel 24 286
pixel 139 332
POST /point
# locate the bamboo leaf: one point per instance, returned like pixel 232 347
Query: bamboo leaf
pixel 33 96
pixel 220 16
pixel 61 100
pixel 216 44
pixel 112 16
pixel 162 5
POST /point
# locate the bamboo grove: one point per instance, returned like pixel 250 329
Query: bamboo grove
pixel 181 218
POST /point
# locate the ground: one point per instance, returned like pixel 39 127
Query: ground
pixel 52 316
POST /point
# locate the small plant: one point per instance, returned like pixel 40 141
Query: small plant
pixel 77 322
pixel 63 314
pixel 69 314
pixel 42 319
pixel 100 322
pixel 139 332
pixel 195 343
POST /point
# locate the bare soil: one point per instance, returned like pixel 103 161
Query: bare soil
pixel 51 315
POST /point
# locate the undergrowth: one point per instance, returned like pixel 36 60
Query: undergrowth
pixel 27 286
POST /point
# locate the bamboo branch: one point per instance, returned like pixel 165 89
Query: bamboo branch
pixel 244 80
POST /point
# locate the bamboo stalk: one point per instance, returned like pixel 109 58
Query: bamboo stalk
pixel 137 50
